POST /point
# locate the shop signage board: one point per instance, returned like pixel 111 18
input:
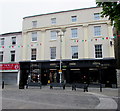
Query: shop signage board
pixel 14 66
pixel 60 71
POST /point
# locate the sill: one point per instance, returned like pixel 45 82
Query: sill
pixel 53 40
pixel 98 58
pixel 100 36
pixel 34 41
pixel 75 59
pixel 52 59
pixel 74 38
pixel 33 60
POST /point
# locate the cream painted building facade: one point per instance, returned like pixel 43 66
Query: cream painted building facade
pixel 87 40
pixel 84 24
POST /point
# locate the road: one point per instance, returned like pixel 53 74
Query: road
pixel 35 98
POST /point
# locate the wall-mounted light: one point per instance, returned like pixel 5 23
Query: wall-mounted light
pixel 111 43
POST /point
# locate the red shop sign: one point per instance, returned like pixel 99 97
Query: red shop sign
pixel 9 66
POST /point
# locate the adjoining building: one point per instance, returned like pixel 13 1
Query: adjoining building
pixel 10 53
pixel 85 49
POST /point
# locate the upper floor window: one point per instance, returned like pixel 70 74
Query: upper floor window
pixel 13 40
pixel 34 36
pixel 53 35
pixel 1 56
pixel 98 51
pixel 2 40
pixel 74 18
pixel 97 30
pixel 12 56
pixel 34 24
pixel 74 33
pixel 53 52
pixel 53 20
pixel 74 52
pixel 33 54
pixel 96 16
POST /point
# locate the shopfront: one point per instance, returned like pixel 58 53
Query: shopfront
pixel 79 71
pixel 10 73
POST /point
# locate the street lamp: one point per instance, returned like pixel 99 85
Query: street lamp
pixel 60 34
pixel 99 65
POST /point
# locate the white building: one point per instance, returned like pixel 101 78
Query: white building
pixel 10 54
pixel 84 47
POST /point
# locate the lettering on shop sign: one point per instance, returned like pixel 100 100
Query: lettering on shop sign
pixel 10 66
pixel 52 64
pixel 72 64
pixel 34 65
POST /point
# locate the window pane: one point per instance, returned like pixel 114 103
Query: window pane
pixel 74 33
pixel 74 18
pixel 53 52
pixel 96 16
pixel 34 23
pixel 53 20
pixel 13 40
pixel 1 56
pixel 33 54
pixel 98 51
pixel 2 41
pixel 53 35
pixel 74 52
pixel 34 36
pixel 12 56
pixel 97 30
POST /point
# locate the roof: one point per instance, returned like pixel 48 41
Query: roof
pixel 11 33
pixel 60 12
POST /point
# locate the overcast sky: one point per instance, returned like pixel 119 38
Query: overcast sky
pixel 13 11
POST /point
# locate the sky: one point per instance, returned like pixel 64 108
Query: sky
pixel 13 11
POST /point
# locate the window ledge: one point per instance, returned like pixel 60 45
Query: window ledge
pixel 34 41
pixel 98 36
pixel 98 58
pixel 52 59
pixel 53 40
pixel 74 38
pixel 75 59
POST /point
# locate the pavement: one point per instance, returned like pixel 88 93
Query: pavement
pixel 35 98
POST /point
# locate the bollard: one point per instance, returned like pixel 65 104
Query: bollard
pixel 100 87
pixel 63 87
pixel 3 84
pixel 86 87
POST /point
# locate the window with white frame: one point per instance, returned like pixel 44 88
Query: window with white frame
pixel 33 54
pixel 12 56
pixel 34 24
pixel 73 18
pixel 98 51
pixel 97 30
pixel 53 20
pixel 34 36
pixel 74 33
pixel 52 52
pixel 96 16
pixel 13 40
pixel 2 40
pixel 1 56
pixel 74 52
pixel 53 35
